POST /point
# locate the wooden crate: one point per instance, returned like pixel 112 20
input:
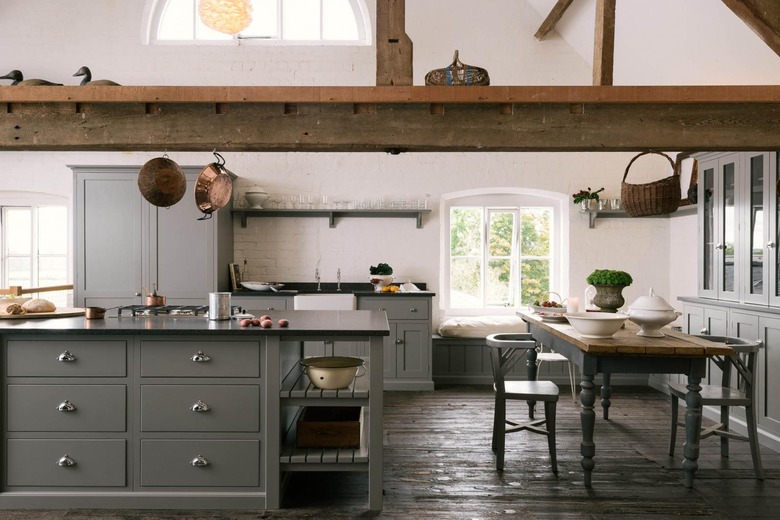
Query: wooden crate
pixel 329 427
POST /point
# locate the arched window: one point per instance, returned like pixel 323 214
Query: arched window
pixel 502 249
pixel 321 22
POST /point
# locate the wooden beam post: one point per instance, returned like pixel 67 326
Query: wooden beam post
pixel 393 45
pixel 604 44
pixel 552 19
pixel 762 16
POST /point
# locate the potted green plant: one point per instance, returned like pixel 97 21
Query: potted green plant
pixel 380 275
pixel 589 199
pixel 609 284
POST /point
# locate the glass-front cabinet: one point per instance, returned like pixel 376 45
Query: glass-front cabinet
pixel 738 220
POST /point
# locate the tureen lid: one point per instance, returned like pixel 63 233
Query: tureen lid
pixel 256 189
pixel 651 303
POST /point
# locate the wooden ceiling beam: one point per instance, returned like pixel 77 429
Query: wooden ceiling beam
pixel 549 23
pixel 762 16
pixel 377 119
pixel 604 44
pixel 393 46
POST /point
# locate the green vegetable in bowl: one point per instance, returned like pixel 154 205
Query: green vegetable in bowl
pixel 609 277
pixel 381 270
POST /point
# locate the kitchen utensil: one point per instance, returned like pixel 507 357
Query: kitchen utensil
pixel 97 313
pixel 161 181
pixel 262 286
pixel 256 196
pixel 651 312
pixel 597 324
pixel 219 306
pixel 154 299
pixel 332 372
pixel 213 188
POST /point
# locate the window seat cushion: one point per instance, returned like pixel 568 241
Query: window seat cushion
pixel 480 326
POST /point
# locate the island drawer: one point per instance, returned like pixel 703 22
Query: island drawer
pixel 200 359
pixel 398 309
pixel 206 463
pixel 66 408
pixel 66 462
pixel 71 358
pixel 253 304
pixel 201 408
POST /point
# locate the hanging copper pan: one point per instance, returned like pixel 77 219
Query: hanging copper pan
pixel 213 188
pixel 162 182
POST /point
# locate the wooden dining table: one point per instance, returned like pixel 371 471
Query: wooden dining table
pixel 626 352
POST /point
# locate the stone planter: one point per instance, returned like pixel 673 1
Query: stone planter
pixel 609 298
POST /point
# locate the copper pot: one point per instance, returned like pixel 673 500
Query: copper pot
pixel 94 313
pixel 155 300
pixel 162 182
pixel 213 188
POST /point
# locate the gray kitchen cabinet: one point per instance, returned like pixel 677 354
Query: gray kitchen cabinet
pixel 768 367
pixel 407 350
pixel 258 304
pixel 738 219
pixel 124 243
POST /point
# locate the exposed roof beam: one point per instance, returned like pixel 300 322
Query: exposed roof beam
pixel 552 19
pixel 393 45
pixel 763 16
pixel 604 44
pixel 375 119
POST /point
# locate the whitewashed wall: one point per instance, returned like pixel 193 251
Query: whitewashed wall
pixel 51 39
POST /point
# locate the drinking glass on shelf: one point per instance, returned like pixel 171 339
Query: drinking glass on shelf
pixel 615 203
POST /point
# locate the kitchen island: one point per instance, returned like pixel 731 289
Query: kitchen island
pixel 174 412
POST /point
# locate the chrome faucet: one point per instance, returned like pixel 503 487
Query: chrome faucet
pixel 317 277
pixel 338 279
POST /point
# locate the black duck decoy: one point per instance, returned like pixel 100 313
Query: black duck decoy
pixel 87 80
pixel 18 79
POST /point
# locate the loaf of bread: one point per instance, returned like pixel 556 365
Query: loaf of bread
pixel 11 308
pixel 38 305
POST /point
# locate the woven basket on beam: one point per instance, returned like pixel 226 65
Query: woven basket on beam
pixel 652 198
pixel 458 74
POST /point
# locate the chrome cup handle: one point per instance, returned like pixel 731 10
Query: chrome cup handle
pixel 66 357
pixel 66 462
pixel 200 461
pixel 66 406
pixel 200 406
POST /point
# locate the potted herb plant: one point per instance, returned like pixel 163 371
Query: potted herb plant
pixel 588 199
pixel 609 284
pixel 380 275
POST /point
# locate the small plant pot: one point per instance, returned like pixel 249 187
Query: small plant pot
pixel 609 298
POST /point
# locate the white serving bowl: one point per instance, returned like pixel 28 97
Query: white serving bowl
pixel 262 286
pixel 332 372
pixel 596 324
pixel 651 313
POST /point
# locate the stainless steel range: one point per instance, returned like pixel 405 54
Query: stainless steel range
pixel 169 311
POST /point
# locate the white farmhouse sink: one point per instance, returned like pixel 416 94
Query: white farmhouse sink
pixel 324 302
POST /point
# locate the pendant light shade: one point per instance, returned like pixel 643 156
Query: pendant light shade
pixel 226 16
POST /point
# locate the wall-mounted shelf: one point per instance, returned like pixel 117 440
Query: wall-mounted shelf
pixel 332 214
pixel 690 209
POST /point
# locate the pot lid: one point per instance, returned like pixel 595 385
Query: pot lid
pixel 651 302
pixel 256 189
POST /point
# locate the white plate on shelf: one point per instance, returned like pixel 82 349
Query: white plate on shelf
pixel 262 286
pixel 553 317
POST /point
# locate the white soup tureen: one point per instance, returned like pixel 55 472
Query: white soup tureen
pixel 651 313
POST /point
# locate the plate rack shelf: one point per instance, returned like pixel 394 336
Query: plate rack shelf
pixel 332 214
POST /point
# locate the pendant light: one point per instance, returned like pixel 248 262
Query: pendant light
pixel 226 16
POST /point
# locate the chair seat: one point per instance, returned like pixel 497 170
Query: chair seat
pixel 531 390
pixel 550 356
pixel 713 395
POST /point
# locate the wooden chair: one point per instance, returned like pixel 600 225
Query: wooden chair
pixel 554 357
pixel 505 351
pixel 737 391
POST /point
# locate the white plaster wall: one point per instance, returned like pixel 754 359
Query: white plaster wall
pixel 51 39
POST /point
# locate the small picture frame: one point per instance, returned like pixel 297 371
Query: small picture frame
pixel 235 277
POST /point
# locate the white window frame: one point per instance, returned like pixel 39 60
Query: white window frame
pixel 154 9
pixel 505 198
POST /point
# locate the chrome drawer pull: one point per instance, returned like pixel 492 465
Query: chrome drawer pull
pixel 66 406
pixel 381 309
pixel 399 341
pixel 200 406
pixel 200 357
pixel 66 357
pixel 200 462
pixel 66 462
pixel 412 310
pixel 703 331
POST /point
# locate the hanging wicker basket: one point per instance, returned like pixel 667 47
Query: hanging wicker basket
pixel 653 198
pixel 458 74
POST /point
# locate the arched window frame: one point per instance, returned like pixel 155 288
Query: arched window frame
pixel 502 198
pixel 154 9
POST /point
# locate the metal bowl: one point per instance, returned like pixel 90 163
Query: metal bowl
pixel 332 372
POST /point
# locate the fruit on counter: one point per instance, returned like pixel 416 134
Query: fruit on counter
pixel 546 303
pixel 265 317
pixel 266 324
pixel 246 322
pixel 256 322
pixel 390 288
pixel 283 323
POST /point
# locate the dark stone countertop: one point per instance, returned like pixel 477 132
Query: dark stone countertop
pixel 302 323
pixel 361 289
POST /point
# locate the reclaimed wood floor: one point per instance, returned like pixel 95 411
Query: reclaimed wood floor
pixel 438 465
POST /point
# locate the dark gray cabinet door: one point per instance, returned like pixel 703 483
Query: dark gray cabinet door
pixel 768 382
